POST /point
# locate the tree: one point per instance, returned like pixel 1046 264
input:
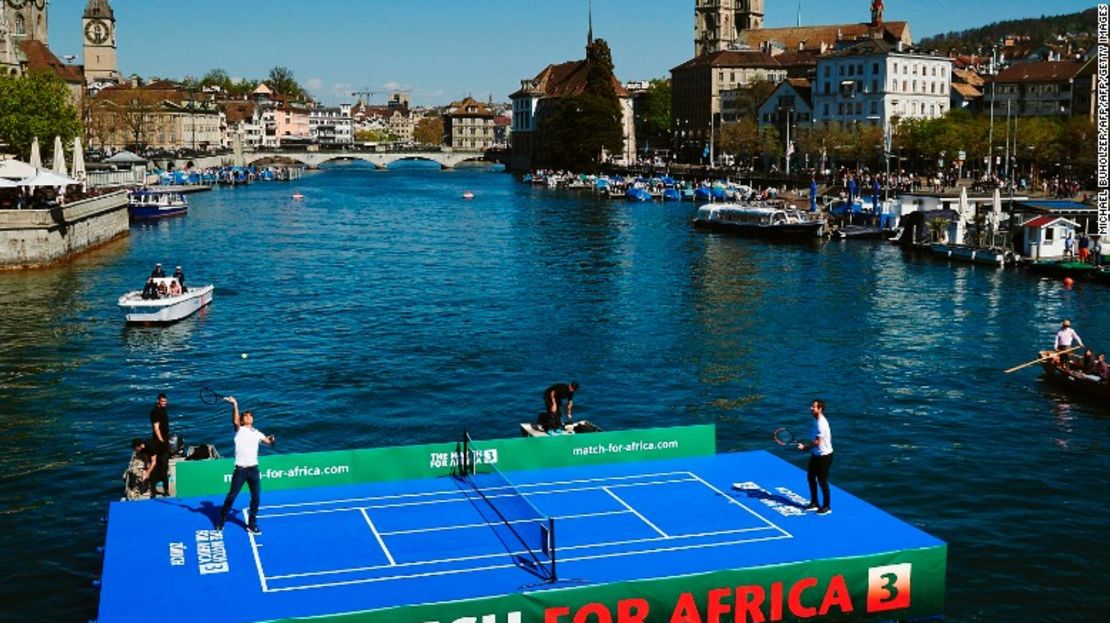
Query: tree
pixel 36 105
pixel 217 78
pixel 373 136
pixel 740 138
pixel 575 130
pixel 135 115
pixel 655 114
pixel 429 131
pixel 281 81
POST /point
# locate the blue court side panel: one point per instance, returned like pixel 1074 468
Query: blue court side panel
pixel 364 547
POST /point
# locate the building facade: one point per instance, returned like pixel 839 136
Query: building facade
pixel 791 102
pixel 700 86
pixel 157 116
pixel 331 126
pixel 1042 89
pixel 468 125
pixel 877 83
pixel 20 21
pixel 535 96
pixel 719 23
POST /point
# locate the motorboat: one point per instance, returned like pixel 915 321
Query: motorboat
pixel 762 219
pixel 977 255
pixel 165 308
pixel 151 203
pixel 468 195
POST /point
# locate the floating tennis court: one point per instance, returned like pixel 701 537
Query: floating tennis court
pixel 509 544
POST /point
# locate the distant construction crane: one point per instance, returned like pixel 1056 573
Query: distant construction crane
pixel 367 92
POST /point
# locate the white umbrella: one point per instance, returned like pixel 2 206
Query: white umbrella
pixel 79 173
pixel 59 157
pixel 6 183
pixel 36 157
pixel 46 178
pixel 961 210
pixel 16 169
pixel 126 157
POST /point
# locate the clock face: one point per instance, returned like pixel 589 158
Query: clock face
pixel 19 4
pixel 96 31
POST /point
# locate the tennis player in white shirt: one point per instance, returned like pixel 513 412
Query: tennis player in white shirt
pixel 246 471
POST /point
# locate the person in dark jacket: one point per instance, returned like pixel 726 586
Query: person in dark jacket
pixel 553 397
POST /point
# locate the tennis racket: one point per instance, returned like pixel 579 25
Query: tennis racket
pixel 209 397
pixel 784 437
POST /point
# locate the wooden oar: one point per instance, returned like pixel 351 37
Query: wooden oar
pixel 1054 353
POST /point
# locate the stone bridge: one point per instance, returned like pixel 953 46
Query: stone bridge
pixel 380 159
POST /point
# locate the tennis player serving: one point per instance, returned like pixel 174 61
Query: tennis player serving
pixel 246 471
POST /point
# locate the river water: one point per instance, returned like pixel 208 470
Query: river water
pixel 383 309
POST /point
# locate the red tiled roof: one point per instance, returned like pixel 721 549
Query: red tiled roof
pixel 733 58
pixel 1045 221
pixel 237 112
pixel 566 79
pixel 813 37
pixel 40 58
pixel 967 76
pixel 967 91
pixel 1045 71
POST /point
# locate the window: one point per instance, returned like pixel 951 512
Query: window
pixel 827 71
pixel 1050 234
pixel 851 70
pixel 875 86
pixel 825 111
pixel 874 108
pixel 875 68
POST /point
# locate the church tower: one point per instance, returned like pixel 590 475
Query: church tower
pixel 99 27
pixel 718 23
pixel 20 20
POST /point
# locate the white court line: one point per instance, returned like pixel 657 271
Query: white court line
pixel 686 477
pixel 455 492
pixel 565 548
pixel 377 536
pixel 507 566
pixel 737 502
pixel 461 498
pixel 257 559
pixel 635 512
pixel 485 524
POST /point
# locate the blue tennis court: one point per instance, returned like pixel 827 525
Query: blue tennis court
pixel 356 548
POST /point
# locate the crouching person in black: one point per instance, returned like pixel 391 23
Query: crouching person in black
pixel 137 479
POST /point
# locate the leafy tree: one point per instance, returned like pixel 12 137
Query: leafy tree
pixel 655 114
pixel 740 138
pixel 217 78
pixel 752 95
pixel 281 81
pixel 36 105
pixel 575 130
pixel 429 131
pixel 373 136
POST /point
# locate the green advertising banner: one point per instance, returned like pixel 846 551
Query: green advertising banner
pixel 879 587
pixel 318 469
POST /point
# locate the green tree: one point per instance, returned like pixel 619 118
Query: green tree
pixel 429 131
pixel 655 114
pixel 217 78
pixel 576 130
pixel 740 138
pixel 36 105
pixel 373 136
pixel 281 81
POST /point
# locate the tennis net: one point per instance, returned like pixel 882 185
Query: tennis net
pixel 515 519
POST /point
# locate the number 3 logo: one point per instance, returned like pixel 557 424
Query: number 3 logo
pixel 888 587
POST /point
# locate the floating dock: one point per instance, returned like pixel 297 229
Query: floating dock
pixel 637 526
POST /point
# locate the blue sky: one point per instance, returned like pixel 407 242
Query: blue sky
pixel 443 50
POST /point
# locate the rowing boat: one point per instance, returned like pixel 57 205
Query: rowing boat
pixel 1073 380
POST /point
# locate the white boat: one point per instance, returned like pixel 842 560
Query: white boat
pixel 154 203
pixel 167 308
pixel 759 219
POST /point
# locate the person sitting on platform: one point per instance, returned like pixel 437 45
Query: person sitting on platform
pixel 179 275
pixel 150 290
pixel 163 289
pixel 143 461
pixel 175 287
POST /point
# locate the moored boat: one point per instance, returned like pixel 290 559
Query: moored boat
pixel 164 309
pixel 151 203
pixel 977 255
pixel 764 220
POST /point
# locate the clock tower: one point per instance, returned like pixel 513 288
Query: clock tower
pixel 99 29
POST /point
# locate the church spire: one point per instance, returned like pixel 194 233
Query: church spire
pixel 590 32
pixel 98 8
